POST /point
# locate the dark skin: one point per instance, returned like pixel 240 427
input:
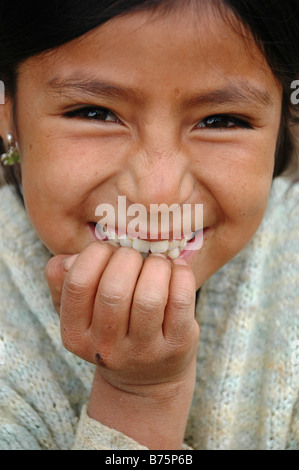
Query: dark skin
pixel 134 319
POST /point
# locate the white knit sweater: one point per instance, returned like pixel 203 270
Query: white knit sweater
pixel 247 389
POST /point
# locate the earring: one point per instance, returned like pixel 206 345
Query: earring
pixel 12 156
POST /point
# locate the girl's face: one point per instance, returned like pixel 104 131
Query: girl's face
pixel 191 116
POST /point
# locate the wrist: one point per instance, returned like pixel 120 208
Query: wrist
pixel 153 415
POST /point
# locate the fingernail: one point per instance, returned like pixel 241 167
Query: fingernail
pixel 158 255
pixel 180 262
pixel 68 262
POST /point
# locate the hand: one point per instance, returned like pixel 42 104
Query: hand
pixel 133 319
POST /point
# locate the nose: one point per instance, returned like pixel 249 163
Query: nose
pixel 157 173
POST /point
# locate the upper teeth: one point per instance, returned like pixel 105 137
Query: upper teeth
pixel 172 249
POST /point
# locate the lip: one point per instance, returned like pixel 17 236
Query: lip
pixel 188 254
pixel 144 235
pixel 141 235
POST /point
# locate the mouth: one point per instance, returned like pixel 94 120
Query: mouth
pixel 172 249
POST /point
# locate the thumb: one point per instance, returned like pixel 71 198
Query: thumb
pixel 55 273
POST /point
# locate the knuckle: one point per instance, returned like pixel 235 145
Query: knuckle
pixel 75 288
pixel 149 303
pixel 111 299
pixel 182 300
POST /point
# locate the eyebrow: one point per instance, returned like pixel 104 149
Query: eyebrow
pixel 85 87
pixel 234 93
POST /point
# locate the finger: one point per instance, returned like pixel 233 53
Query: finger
pixel 150 298
pixel 80 287
pixel 115 294
pixel 179 322
pixel 55 275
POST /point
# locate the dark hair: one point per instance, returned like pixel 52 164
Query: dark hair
pixel 31 27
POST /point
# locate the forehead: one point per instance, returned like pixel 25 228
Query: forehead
pixel 151 52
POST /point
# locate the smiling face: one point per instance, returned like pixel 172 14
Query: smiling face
pixel 190 116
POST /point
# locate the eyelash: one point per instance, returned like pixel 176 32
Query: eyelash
pixel 84 112
pixel 228 119
pixel 102 114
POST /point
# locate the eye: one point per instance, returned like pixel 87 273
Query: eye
pixel 94 113
pixel 223 121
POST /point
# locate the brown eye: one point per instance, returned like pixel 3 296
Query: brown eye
pixel 223 121
pixel 93 113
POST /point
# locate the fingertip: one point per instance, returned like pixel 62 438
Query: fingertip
pixel 180 262
pixel 54 271
pixel 158 255
pixel 184 274
pixel 69 262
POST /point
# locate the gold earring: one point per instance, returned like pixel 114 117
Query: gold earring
pixel 12 155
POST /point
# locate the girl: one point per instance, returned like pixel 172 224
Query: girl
pixel 160 102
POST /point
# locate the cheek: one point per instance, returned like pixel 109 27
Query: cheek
pixel 63 183
pixel 56 171
pixel 51 188
pixel 239 183
pixel 240 208
pixel 244 182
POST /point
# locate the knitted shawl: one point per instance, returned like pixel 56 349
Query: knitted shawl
pixel 247 387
